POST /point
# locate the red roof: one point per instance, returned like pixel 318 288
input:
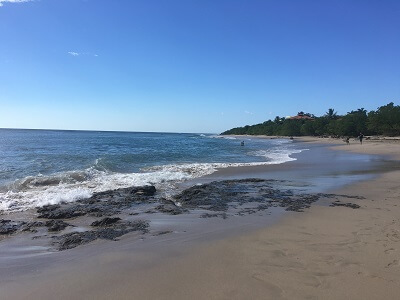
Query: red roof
pixel 301 118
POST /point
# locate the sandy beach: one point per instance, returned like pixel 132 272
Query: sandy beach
pixel 322 253
pixel 199 150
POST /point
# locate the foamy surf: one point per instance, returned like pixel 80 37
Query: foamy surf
pixel 36 191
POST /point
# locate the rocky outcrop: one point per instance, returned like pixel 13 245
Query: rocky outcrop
pixel 117 209
pixel 105 222
pixel 221 195
pixel 101 204
pixel 56 225
pixel 9 227
pixel 108 228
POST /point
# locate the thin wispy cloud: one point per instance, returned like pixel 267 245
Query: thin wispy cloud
pixel 248 112
pixel 73 53
pixel 13 1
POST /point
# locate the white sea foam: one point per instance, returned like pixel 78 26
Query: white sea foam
pixel 34 191
pixel 24 195
pixel 222 137
pixel 276 155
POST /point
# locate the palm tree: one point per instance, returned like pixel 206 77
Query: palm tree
pixel 331 114
pixel 360 111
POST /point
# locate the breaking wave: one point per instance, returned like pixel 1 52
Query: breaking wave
pixel 35 191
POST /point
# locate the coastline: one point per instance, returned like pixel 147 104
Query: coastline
pixel 324 252
pixel 376 145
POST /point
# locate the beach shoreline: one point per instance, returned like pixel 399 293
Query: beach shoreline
pixel 324 252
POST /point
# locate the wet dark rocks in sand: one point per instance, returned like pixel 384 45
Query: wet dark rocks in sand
pixel 56 225
pixel 32 226
pixel 105 222
pixel 10 227
pixel 340 196
pixel 220 195
pixel 233 194
pixel 208 215
pixel 347 204
pixel 58 211
pixel 73 239
pixel 162 232
pixel 169 207
pixel 107 228
pixel 218 199
pixel 217 195
pixel 101 204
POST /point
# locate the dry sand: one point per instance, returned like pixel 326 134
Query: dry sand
pixel 323 253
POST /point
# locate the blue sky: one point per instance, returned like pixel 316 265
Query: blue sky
pixel 192 65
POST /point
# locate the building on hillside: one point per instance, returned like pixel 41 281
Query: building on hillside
pixel 302 116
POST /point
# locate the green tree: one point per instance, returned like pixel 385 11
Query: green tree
pixel 386 120
pixel 290 128
pixel 307 128
pixel 354 123
pixel 331 114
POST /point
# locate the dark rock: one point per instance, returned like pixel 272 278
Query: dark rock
pixel 99 214
pixel 31 226
pixel 218 198
pixel 207 215
pixel 101 204
pixel 220 195
pixel 215 195
pixel 111 232
pixel 9 227
pixel 74 239
pixel 162 232
pixel 47 208
pixel 56 225
pixel 58 212
pixel 322 195
pixel 148 190
pixel 348 204
pixel 131 193
pixel 119 229
pixel 105 222
pixel 171 209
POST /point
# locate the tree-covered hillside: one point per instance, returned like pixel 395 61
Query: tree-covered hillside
pixel 383 121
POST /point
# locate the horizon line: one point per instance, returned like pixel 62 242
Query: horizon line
pixel 95 130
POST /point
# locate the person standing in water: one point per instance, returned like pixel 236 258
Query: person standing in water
pixel 361 136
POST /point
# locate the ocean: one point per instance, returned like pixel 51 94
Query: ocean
pixel 40 167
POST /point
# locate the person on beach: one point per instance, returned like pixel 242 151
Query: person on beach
pixel 361 136
pixel 347 140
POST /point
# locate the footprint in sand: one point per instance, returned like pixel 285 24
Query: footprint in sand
pixel 392 264
pixel 274 290
pixel 393 235
pixel 390 250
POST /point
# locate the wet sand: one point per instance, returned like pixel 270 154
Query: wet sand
pixel 322 253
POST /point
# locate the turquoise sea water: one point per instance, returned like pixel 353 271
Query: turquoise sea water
pixel 39 167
